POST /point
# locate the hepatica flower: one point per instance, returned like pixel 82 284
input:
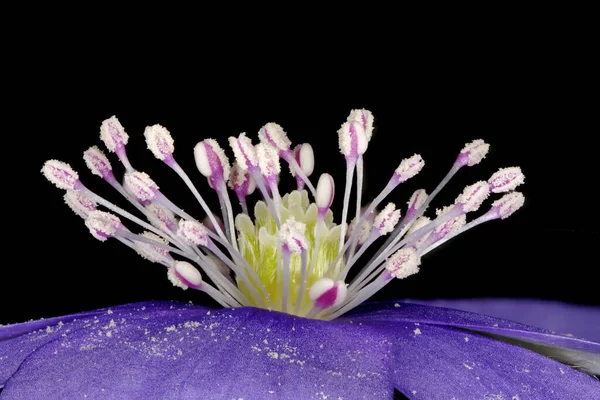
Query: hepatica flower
pixel 293 282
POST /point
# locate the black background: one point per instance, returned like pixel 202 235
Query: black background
pixel 527 95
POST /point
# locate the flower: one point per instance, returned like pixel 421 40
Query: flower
pixel 291 326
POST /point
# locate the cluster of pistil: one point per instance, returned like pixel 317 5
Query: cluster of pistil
pixel 288 255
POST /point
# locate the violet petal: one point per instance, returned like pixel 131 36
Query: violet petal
pixel 179 351
pixel 582 321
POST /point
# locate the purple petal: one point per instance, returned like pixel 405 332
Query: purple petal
pixel 172 350
pixel 434 362
pixel 406 312
pixel 569 319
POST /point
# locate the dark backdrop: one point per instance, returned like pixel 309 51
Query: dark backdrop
pixel 527 103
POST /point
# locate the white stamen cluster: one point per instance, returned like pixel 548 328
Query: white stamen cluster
pixel 289 255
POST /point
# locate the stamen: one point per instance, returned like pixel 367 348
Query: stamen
pixel 140 185
pixel 365 118
pixel 193 233
pixel 408 168
pixel 472 153
pixel 473 195
pixel 268 162
pixel 244 152
pixel 292 238
pixel 242 184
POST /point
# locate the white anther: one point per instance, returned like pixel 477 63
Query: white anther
pixel 140 185
pixel 506 179
pixel 473 195
pixel 79 203
pixel 403 263
pixel 193 233
pixel 473 152
pixel 387 219
pixel 113 134
pixel 184 275
pixel 305 157
pixel 102 225
pixel 97 162
pixel 61 174
pixel 325 191
pixel 291 234
pixel 409 167
pixel 508 204
pixel 268 160
pixel 151 252
pixel 244 151
pixel 159 141
pixel 365 118
pixel 211 160
pixel 274 135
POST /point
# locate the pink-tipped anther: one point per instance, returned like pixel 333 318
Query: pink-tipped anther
pixel 506 180
pixel 184 275
pixel 212 161
pixel 325 192
pixel 473 195
pixel 241 182
pixel 159 142
pixel 113 134
pixel 472 153
pixel 102 225
pixel 508 204
pixel 352 140
pixel 268 161
pixel 403 263
pixel 193 233
pixel 151 252
pixel 292 237
pixel 387 219
pixel 365 117
pixel 274 135
pixel 79 203
pixel 140 185
pixel 61 174
pixel 408 168
pixel 98 163
pixel 305 157
pixel 327 293
pixel 244 152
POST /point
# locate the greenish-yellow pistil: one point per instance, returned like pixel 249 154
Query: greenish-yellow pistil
pixel 260 247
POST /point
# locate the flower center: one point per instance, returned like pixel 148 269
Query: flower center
pixel 291 257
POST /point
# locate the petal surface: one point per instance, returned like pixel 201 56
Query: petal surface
pixel 582 321
pixel 434 362
pixel 165 350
